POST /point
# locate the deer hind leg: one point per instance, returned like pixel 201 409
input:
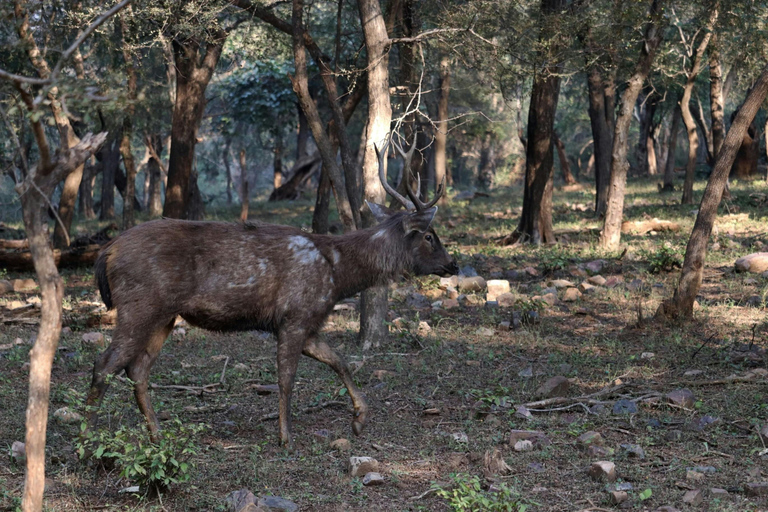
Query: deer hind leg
pixel 289 344
pixel 319 350
pixel 138 371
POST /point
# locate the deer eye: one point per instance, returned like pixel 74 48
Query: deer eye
pixel 428 238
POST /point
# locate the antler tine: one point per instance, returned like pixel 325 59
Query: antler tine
pixel 438 194
pixel 381 156
pixel 407 158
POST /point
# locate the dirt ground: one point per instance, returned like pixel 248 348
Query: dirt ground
pixel 446 401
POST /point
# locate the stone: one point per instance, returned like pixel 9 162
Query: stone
pixel 452 293
pixel 276 504
pixel 433 294
pixel 5 286
pixel 624 406
pixel 647 355
pixel 497 287
pixel 471 284
pixel 23 285
pixel 571 295
pixel 531 271
pixel 523 445
pixel 694 476
pixel 590 438
pixel 756 263
pixel 522 411
pixel 550 289
pixel 524 435
pixel 597 280
pixel 94 338
pixel 373 479
pixel 561 283
pixel 19 452
pixel 467 271
pixel 618 497
pixel 471 300
pixel 504 326
pixel 360 466
pixel 613 281
pixel 449 282
pixel 700 424
pixel 341 444
pixel 692 373
pixel 555 386
pixel 595 266
pixel 585 287
pixel 599 452
pixel 66 416
pixel 506 300
pixel 755 301
pixel 321 436
pixel 634 451
pixel 602 471
pixel 460 437
pixel 682 397
pixel 598 410
pixel 450 304
pixel 693 497
pixel 703 469
pixel 424 328
pixel 485 331
pixel 418 301
pixel 549 298
pixel 756 489
pixel 716 491
pixel 241 501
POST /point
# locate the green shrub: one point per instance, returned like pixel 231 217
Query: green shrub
pixel 665 259
pixel 467 495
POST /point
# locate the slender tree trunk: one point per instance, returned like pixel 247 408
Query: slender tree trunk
pixel 716 100
pixel 565 165
pixel 85 195
pixel 681 304
pixel 611 235
pixel 110 163
pixel 601 134
pixel 155 171
pixel 244 199
pixel 441 126
pixel 125 143
pixel 225 156
pixel 192 77
pixel 277 163
pixel 322 204
pixel 669 164
pixel 302 135
pixel 373 306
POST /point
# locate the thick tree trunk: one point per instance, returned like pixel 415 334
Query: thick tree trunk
pixel 302 135
pixel 125 143
pixel 155 171
pixel 85 195
pixel 244 199
pixel 192 77
pixel 486 167
pixel 611 234
pixel 565 165
pixel 110 161
pixel 669 164
pixel 602 134
pixel 277 162
pixel 441 126
pixel 322 204
pixel 646 109
pixel 373 307
pixel 746 159
pixel 716 100
pixel 681 304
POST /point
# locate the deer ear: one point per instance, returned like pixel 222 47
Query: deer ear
pixel 379 211
pixel 419 221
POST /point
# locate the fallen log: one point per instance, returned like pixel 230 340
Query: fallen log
pixel 76 256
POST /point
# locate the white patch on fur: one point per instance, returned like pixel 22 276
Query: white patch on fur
pixel 336 257
pixel 379 234
pixel 250 282
pixel 262 266
pixel 304 251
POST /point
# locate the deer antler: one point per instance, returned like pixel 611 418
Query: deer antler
pixel 381 155
pixel 407 158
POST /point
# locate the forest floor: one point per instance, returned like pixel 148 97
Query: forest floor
pixel 445 402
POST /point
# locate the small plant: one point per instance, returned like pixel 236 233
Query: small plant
pixel 665 259
pixel 153 466
pixel 466 494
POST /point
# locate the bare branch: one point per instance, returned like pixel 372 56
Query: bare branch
pixel 9 126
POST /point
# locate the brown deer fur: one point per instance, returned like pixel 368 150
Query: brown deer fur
pixel 235 277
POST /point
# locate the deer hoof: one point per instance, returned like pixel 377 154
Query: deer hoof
pixel 359 422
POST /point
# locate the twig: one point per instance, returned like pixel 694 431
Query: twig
pixel 423 495
pixel 314 408
pixel 224 371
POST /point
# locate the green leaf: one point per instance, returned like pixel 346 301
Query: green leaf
pixel 645 494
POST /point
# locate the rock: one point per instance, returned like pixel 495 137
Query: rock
pixel 682 397
pixel 240 367
pixel 424 328
pixel 241 501
pixel 23 285
pixel 694 476
pixel 485 331
pixel 603 471
pixel 647 355
pixel 561 283
pixel 522 411
pixel 551 290
pixel 525 435
pixel 15 304
pixel 460 437
pixel 506 300
pixel 418 301
pixel 360 466
pixel 571 295
pixel 277 504
pixel 595 266
pixel 18 452
pixel 5 286
pixel 321 436
pixel 523 445
pixel 556 386
pixel 590 438
pixel 449 282
pixel 634 451
pixel 531 271
pixel 471 284
pixel 585 287
pixel 703 469
pixel 452 293
pixel 450 304
pixel 624 406
pixel 618 497
pixel 65 416
pixel 692 373
pixel 634 285
pixel 433 294
pixel 497 287
pixel 549 298
pixel 755 301
pixel 467 271
pixel 598 410
pixel 716 491
pixel 372 479
pixel 699 424
pixel 693 497
pixel 504 326
pixel 471 300
pixel 599 452
pixel 613 281
pixel 755 489
pixel 756 263
pixel 341 444
pixel 94 338
pixel 597 280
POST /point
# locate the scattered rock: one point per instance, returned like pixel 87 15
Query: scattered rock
pixel 599 452
pixel 586 287
pixel 590 438
pixel 471 300
pixel 23 285
pixel 756 263
pixel 755 301
pixel 433 294
pixel 241 501
pixel 647 355
pixel 634 451
pixel 523 445
pixel 755 489
pixel 561 283
pixel 450 304
pixel 497 287
pixel 534 436
pixel 692 373
pixel 460 437
pixel 94 338
pixel 703 469
pixel 18 452
pixel 485 331
pixel 716 491
pixel 597 280
pixel 424 328
pixel 5 286
pixel 418 301
pixel 613 281
pixel 65 416
pixel 531 271
pixel 618 497
pixel 693 497
pixel 624 406
pixel 504 326
pixel 341 444
pixel 360 466
pixel 682 397
pixel 598 409
pixel 452 293
pixel 603 471
pixel 549 298
pixel 555 386
pixel 471 284
pixel 694 476
pixel 571 295
pixel 373 479
pixel 634 285
pixel 276 504
pixel 449 282
pixel 321 436
pixel 467 271
pixel 699 424
pixel 506 300
pixel 522 411
pixel 595 266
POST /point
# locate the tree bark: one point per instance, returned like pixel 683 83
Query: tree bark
pixel 244 200
pixel 681 304
pixel 565 165
pixel 85 195
pixel 373 302
pixel 225 157
pixel 611 234
pixel 125 143
pixel 192 77
pixel 155 170
pixel 716 100
pixel 110 161
pixel 441 127
pixel 277 162
pixel 602 134
pixel 669 164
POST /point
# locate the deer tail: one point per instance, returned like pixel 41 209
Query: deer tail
pixel 100 272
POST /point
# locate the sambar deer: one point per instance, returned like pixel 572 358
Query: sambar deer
pixel 234 277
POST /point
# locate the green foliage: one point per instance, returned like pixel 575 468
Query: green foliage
pixel 467 495
pixel 153 466
pixel 664 259
pixel 554 259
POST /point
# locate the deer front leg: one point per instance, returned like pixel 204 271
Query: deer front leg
pixel 289 347
pixel 319 350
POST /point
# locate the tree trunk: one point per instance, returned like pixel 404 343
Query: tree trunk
pixel 192 77
pixel 109 163
pixel 611 234
pixel 155 171
pixel 373 302
pixel 322 204
pixel 486 167
pixel 716 100
pixel 565 165
pixel 195 205
pixel 441 126
pixel 669 164
pixel 681 304
pixel 244 199
pixel 302 135
pixel 225 156
pixel 602 135
pixel 746 159
pixel 125 143
pixel 85 195
pixel 277 163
